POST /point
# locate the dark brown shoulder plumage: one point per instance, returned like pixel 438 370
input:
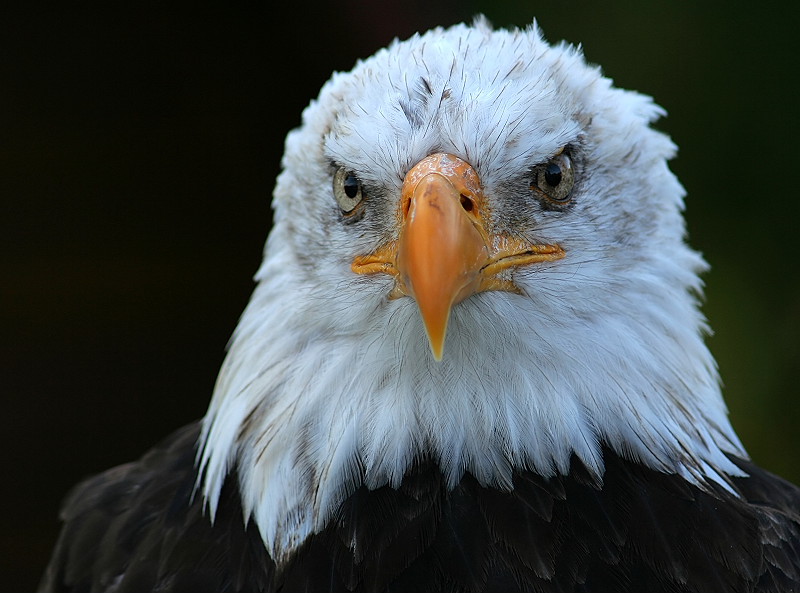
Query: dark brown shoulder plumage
pixel 139 528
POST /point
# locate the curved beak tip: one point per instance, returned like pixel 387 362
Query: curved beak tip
pixel 437 347
pixel 434 320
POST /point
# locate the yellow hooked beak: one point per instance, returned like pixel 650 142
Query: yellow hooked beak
pixel 444 252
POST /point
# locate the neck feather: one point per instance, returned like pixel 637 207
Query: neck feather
pixel 316 398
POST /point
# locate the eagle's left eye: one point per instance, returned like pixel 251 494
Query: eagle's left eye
pixel 347 190
pixel 554 179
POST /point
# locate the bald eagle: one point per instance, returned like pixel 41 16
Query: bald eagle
pixel 473 362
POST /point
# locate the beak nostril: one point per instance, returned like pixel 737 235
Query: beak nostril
pixel 466 203
pixel 406 207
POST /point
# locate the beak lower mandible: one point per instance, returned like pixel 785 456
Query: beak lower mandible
pixel 443 243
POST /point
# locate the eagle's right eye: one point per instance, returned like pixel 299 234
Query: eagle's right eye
pixel 348 190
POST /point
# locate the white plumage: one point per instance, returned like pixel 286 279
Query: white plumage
pixel 604 345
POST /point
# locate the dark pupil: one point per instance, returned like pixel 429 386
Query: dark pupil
pixel 351 186
pixel 552 174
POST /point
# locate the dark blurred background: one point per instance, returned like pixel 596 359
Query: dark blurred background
pixel 138 151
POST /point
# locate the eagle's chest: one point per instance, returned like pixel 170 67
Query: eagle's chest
pixel 639 531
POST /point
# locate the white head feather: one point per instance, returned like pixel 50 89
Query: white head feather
pixel 329 385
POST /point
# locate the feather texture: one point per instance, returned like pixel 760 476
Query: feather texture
pixel 640 530
pixel 604 345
